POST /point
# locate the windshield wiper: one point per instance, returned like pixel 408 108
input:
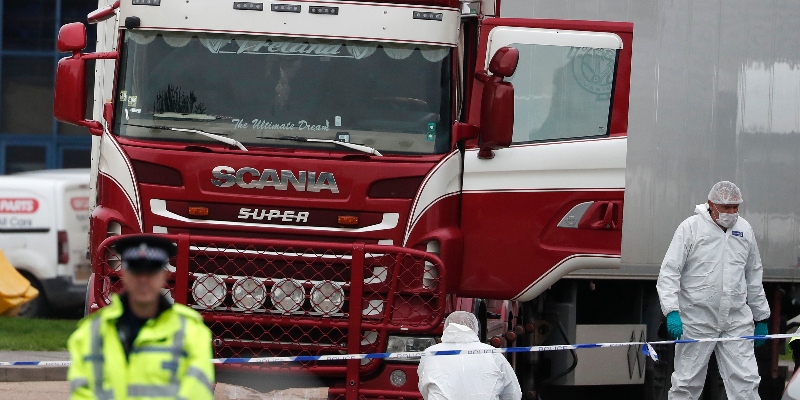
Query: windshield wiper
pixel 354 146
pixel 215 136
pixel 186 116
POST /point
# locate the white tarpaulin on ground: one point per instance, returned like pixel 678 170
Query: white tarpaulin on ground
pixel 231 392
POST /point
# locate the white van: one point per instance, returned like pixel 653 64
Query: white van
pixel 44 233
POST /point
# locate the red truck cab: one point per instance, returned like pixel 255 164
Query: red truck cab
pixel 336 175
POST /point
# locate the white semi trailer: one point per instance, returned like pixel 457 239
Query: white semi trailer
pixel 715 95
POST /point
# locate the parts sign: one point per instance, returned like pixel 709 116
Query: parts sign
pixel 18 205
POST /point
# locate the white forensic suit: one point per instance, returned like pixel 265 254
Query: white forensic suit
pixel 466 376
pixel 713 279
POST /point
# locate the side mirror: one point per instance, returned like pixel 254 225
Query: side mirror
pixel 497 102
pixel 108 113
pixel 69 103
pixel 71 38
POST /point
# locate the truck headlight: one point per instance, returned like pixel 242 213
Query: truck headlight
pixel 249 293
pixel 402 344
pixel 327 297
pixel 208 291
pixel 287 295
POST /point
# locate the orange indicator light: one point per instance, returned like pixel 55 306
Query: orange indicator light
pixel 348 220
pixel 198 211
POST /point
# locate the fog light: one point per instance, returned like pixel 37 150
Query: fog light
pixel 396 345
pixel 419 344
pixel 327 297
pixel 249 293
pixel 398 377
pixel 287 295
pixel 208 291
pixel 402 344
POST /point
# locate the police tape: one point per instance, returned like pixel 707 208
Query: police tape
pixel 645 347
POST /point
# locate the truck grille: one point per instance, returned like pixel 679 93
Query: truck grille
pixel 271 298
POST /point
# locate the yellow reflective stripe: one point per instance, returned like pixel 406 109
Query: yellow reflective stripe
pixel 177 349
pixel 78 383
pixel 200 376
pixel 170 390
pixel 97 359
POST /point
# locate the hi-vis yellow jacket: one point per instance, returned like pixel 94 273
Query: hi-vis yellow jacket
pixel 170 358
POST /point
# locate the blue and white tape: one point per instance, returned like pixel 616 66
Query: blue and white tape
pixel 646 348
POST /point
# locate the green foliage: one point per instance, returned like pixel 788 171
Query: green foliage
pixel 35 334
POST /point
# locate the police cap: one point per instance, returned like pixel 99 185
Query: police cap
pixel 145 253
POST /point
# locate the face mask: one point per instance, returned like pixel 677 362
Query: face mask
pixel 727 220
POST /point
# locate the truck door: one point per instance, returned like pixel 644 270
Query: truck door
pixel 550 203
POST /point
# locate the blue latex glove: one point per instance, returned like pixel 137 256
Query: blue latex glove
pixel 674 325
pixel 761 330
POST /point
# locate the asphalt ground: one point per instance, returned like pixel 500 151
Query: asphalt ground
pixel 33 372
pixel 60 390
pixel 40 382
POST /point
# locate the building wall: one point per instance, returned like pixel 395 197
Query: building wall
pixel 30 138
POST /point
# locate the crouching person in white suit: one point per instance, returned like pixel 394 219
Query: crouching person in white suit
pixel 466 376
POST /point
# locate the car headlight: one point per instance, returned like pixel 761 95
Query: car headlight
pixel 209 291
pixel 249 293
pixel 327 297
pixel 402 344
pixel 287 295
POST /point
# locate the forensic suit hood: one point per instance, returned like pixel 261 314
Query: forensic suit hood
pixel 467 377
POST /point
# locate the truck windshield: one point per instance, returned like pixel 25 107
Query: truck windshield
pixel 393 97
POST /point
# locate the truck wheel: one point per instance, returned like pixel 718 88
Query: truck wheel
pixel 658 374
pixel 38 307
pixel 86 299
pixel 525 361
pixel 658 377
pixel 714 388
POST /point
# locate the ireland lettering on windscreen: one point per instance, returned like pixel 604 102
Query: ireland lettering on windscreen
pixel 260 124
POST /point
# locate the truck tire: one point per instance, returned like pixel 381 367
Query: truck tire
pixel 714 388
pixel 525 361
pixel 38 307
pixel 657 380
pixel 86 299
pixel 658 374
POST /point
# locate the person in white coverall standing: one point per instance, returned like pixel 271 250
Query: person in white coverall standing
pixel 466 376
pixel 710 287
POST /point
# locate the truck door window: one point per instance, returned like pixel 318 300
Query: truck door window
pixel 562 92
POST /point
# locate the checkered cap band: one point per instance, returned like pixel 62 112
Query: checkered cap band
pixel 143 252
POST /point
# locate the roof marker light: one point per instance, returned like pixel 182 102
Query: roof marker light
pixel 285 8
pixel 428 15
pixel 239 5
pixel 323 10
pixel 146 2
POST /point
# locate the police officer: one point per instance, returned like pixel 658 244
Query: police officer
pixel 140 346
